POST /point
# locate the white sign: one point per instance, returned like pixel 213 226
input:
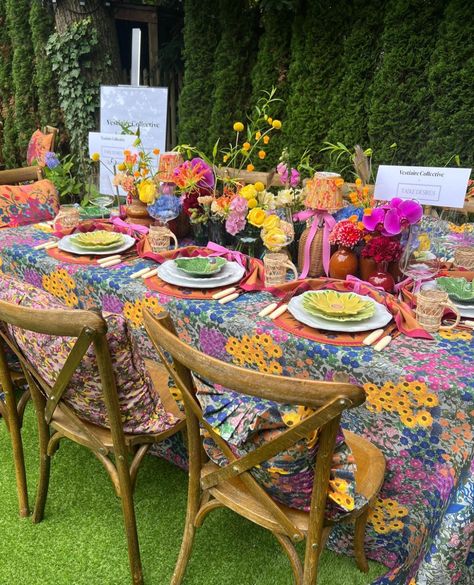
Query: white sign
pixel 110 148
pixel 437 186
pixel 135 107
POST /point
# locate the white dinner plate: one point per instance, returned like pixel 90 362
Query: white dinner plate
pixel 223 273
pixel 234 273
pixel 67 245
pixel 381 317
pixel 465 311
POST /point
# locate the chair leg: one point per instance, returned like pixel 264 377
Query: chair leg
pixel 45 467
pixel 13 425
pixel 293 557
pixel 359 535
pixel 130 521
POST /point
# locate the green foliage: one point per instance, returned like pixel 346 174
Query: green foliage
pixel 272 63
pixel 231 80
pixel 22 70
pixel 63 175
pixel 8 149
pixel 350 104
pixel 450 80
pixel 72 59
pixel 42 25
pixel 201 34
pixel 400 94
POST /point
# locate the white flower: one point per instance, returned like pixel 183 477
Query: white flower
pixel 205 200
pixel 285 197
pixel 266 200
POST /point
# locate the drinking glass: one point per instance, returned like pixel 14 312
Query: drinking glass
pixel 420 258
pixel 286 217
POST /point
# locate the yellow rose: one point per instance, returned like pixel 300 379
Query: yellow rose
pixel 252 203
pixel 259 186
pixel 95 156
pixel 238 127
pixel 246 146
pixel 249 192
pixel 146 191
pixel 256 217
pixel 276 124
pixel 271 222
pixel 274 239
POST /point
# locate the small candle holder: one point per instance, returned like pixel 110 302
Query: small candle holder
pixel 464 257
pixel 276 264
pixel 68 217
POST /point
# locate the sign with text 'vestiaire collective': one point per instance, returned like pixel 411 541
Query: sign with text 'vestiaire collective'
pixel 436 186
pixel 135 107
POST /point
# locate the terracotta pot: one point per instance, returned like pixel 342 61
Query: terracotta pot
pixel 342 263
pixel 383 280
pixel 137 212
pixel 367 267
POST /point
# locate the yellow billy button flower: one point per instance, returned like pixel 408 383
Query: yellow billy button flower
pixel 250 168
pixel 256 217
pixel 262 154
pixel 266 139
pixel 276 124
pixel 252 202
pixel 358 182
pixel 147 191
pixel 121 166
pixel 259 186
pixel 95 156
pixel 270 121
pixel 238 127
pixel 246 146
pixel 249 192
pixel 258 135
pixel 225 158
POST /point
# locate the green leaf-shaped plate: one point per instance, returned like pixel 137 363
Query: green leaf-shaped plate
pixel 458 289
pixel 200 267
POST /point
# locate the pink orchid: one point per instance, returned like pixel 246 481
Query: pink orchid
pixel 394 217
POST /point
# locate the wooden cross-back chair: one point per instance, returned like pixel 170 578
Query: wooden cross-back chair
pixel 56 420
pixel 232 486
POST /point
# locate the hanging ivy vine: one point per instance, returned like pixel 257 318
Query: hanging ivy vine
pixel 72 55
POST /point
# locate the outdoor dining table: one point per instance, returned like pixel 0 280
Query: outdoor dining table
pixel 422 528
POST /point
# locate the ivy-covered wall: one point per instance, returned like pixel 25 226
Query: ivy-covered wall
pixel 375 72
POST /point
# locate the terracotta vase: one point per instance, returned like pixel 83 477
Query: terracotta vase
pixel 342 263
pixel 367 267
pixel 137 212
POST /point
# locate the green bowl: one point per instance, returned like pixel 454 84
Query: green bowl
pixel 200 266
pixel 458 289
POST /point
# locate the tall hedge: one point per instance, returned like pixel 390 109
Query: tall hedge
pixel 451 78
pixel 42 26
pixel 401 98
pixel 350 103
pixel 201 35
pixel 22 70
pixel 317 68
pixel 234 55
pixel 272 63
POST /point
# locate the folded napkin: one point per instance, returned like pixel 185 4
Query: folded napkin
pixel 403 316
pixel 254 273
pixel 111 225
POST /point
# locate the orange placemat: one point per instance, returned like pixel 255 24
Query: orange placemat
pixel 68 258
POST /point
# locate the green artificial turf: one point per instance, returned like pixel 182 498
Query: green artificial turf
pixel 81 540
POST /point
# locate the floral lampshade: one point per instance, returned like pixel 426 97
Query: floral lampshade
pixel 169 161
pixel 324 192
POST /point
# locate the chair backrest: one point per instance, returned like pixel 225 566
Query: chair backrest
pixel 23 175
pixel 87 329
pixel 54 131
pixel 328 399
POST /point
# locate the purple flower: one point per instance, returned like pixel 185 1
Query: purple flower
pixel 33 278
pixel 295 178
pixel 235 223
pixel 51 160
pixel 212 342
pixel 208 179
pixel 282 171
pixel 239 204
pixel 392 218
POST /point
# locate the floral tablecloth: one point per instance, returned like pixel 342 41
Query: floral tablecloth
pixel 419 407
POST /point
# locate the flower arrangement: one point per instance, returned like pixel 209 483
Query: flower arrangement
pixel 383 249
pixel 361 196
pixel 392 218
pixel 136 175
pixel 275 233
pixel 346 233
pixel 61 173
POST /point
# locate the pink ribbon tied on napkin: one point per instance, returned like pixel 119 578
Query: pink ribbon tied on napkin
pixel 219 250
pixel 131 229
pixel 417 286
pixel 329 223
pixel 357 282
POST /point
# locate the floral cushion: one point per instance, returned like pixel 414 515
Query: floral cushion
pixel 38 146
pixel 25 204
pixel 141 408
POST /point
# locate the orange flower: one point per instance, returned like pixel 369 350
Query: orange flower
pixel 250 168
pixel 136 174
pixel 266 139
pixel 156 151
pixel 262 154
